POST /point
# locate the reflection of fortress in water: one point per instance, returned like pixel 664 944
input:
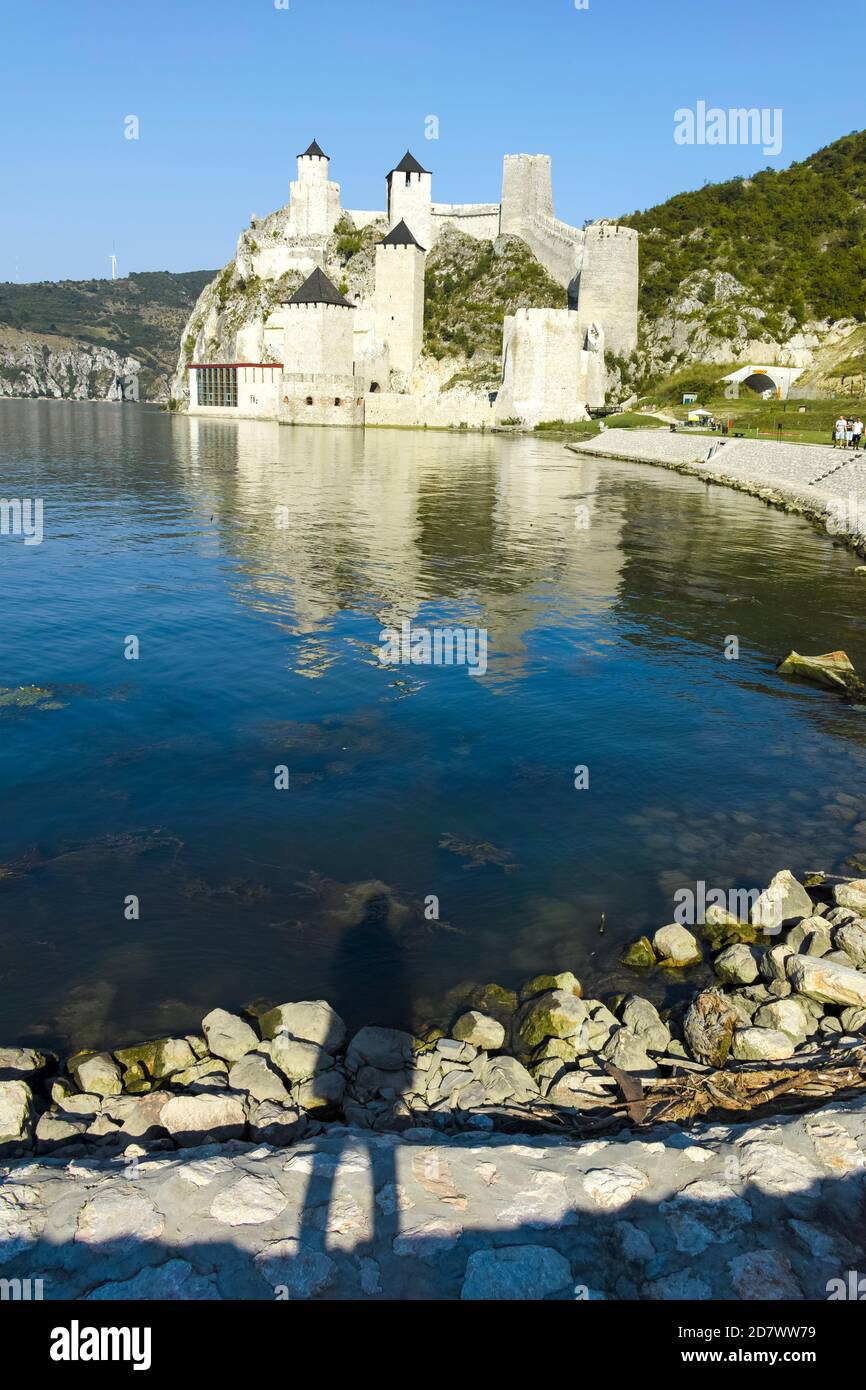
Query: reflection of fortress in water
pixel 325 522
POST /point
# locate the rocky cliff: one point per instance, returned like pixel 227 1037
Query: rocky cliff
pixel 43 365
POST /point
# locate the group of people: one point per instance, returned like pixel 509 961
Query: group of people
pixel 847 433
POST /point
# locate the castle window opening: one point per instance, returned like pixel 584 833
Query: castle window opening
pixel 374 386
pixel 309 400
pixel 217 386
pixel 337 401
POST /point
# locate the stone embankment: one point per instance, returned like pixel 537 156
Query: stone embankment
pixel 828 486
pixel 104 1153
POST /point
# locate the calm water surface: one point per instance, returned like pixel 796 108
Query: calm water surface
pixel 257 566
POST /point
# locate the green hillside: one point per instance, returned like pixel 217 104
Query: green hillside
pixel 796 238
pixel 140 316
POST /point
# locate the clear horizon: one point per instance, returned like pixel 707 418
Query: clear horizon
pixel 225 95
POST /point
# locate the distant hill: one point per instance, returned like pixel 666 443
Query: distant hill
pixel 140 316
pixel 795 238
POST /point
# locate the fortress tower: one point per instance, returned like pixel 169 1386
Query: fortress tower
pixel 410 199
pixel 318 329
pixel 607 287
pixel 315 201
pixel 398 300
pixel 527 191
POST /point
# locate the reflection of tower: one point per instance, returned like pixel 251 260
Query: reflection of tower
pixel 113 266
pixel 315 201
pixel 410 199
pixel 399 297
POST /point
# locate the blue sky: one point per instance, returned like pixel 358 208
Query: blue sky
pixel 228 91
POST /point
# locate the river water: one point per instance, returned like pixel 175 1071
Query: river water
pixel 431 831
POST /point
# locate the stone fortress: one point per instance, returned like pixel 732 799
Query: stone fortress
pixel 330 358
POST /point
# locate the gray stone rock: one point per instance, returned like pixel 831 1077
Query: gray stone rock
pixel 322 1094
pixel 249 1201
pixel 311 1020
pixel 737 965
pixel 275 1124
pixel 557 1014
pixel 228 1036
pixel 176 1279
pixel 298 1060
pixel 641 1017
pixel 785 900
pixel 16 1116
pixel 772 962
pixel 676 947
pixel 294 1270
pixel 96 1072
pixel 765 1275
pixel 206 1070
pixel 826 982
pixel 505 1079
pixel 785 1016
pixel 517 1273
pixel 385 1048
pixel 255 1075
pixel 54 1129
pixel 854 1020
pixel 20 1063
pixel 852 895
pixel 852 940
pixel 120 1218
pixel 626 1051
pixel 190 1119
pixel 479 1030
pixel 761 1045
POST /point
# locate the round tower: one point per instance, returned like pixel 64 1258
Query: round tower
pixel 315 200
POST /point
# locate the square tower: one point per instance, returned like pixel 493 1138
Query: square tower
pixel 398 299
pixel 410 199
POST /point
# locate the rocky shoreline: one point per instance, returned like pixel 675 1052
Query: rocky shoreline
pixel 785 993
pixel 808 480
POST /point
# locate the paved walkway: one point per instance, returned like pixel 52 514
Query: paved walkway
pixel 821 482
pixel 767 1211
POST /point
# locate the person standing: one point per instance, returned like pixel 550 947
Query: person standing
pixel 849 433
pixel 841 425
pixel 858 432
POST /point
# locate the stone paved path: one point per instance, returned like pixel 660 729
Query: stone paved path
pixel 765 1211
pixel 814 478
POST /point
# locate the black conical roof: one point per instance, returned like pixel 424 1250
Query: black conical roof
pixel 317 289
pixel 314 152
pixel 400 236
pixel 409 165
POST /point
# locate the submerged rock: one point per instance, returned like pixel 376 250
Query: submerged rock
pixel 833 670
pixel 640 954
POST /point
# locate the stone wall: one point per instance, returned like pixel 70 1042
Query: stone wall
pixel 321 399
pixel 479 220
pixel 410 200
